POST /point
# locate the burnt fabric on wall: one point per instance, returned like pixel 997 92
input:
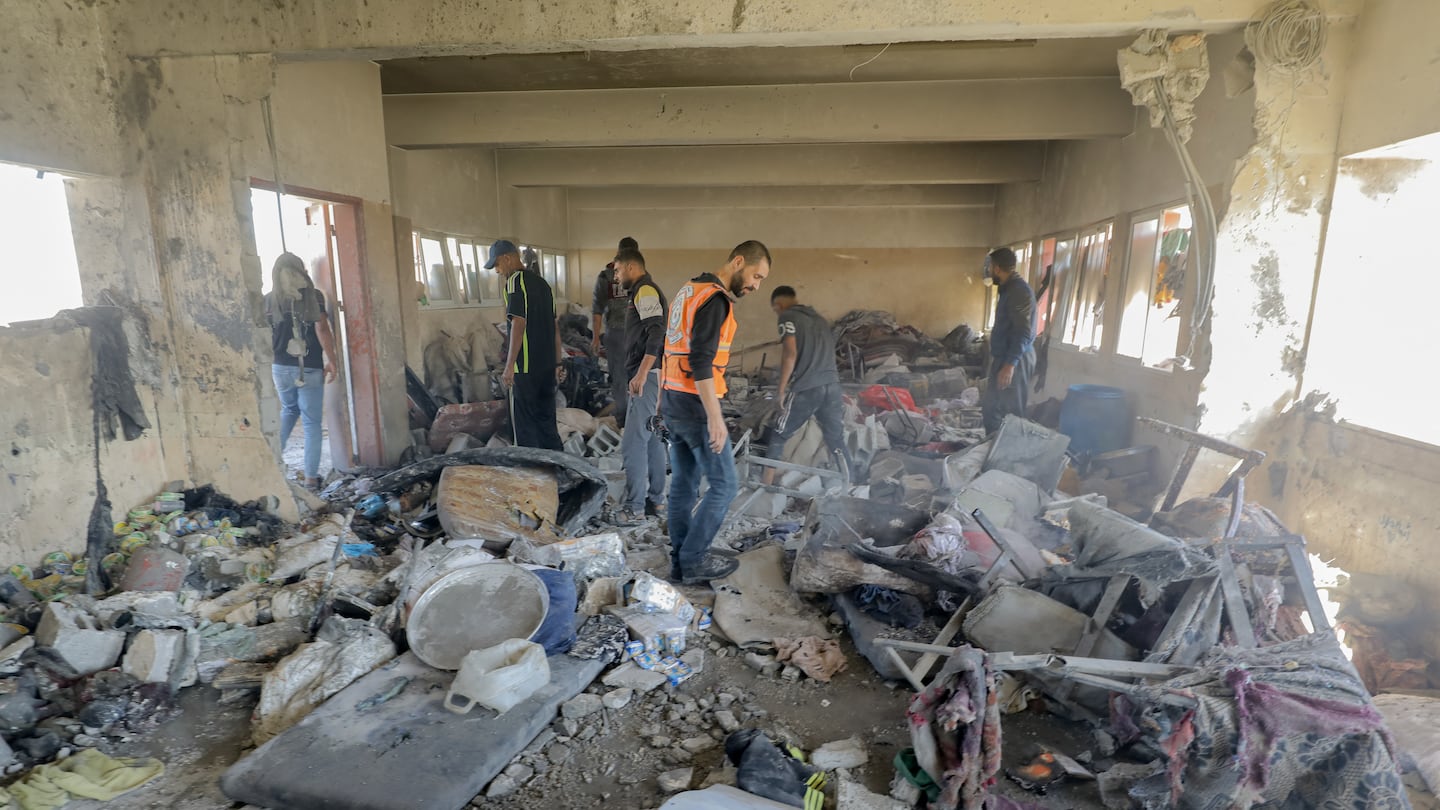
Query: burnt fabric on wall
pixel 114 386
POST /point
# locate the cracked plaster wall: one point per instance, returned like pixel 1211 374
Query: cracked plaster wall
pixel 1086 182
pixel 1362 497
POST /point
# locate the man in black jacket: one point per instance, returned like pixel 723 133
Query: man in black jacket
pixel 608 314
pixel 642 449
pixel 1012 353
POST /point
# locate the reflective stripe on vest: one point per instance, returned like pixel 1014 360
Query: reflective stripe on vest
pixel 678 375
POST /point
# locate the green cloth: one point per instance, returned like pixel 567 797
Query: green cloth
pixel 909 767
pixel 89 774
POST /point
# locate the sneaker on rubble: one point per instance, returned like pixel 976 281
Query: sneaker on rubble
pixel 653 509
pixel 711 568
pixel 627 518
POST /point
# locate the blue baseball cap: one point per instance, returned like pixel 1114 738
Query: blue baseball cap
pixel 500 248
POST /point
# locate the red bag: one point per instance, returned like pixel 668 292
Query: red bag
pixel 887 398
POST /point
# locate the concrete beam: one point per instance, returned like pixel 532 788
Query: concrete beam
pixel 775 165
pixel 864 112
pixel 640 198
pixel 834 228
pixel 382 29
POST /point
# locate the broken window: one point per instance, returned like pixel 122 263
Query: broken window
pixel 552 269
pixel 1367 348
pixel 1057 257
pixel 41 274
pixel 1156 284
pixel 1084 323
pixel 451 270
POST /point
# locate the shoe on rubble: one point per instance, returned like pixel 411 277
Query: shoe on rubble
pixel 711 567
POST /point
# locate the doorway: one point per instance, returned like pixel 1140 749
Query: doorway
pixel 325 231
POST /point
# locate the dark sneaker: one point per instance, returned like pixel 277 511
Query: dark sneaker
pixel 711 568
pixel 675 575
pixel 626 517
pixel 653 509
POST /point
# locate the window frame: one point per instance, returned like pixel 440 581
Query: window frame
pixel 1129 286
pixel 1083 286
pixel 453 247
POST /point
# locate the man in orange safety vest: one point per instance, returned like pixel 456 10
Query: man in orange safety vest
pixel 699 332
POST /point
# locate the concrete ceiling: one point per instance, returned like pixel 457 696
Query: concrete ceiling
pixel 724 67
pixel 928 125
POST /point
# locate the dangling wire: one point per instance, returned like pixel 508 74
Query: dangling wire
pixel 1200 203
pixel 275 168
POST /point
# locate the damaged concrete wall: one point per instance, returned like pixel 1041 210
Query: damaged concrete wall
pixel 60 93
pixel 457 191
pixel 48 480
pixel 450 190
pixel 1362 497
pixel 1391 93
pixel 329 130
pixel 1087 182
pixel 454 191
pixel 330 139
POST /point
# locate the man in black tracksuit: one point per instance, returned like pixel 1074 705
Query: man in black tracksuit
pixel 1012 353
pixel 533 365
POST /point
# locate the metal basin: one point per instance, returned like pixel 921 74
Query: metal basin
pixel 474 608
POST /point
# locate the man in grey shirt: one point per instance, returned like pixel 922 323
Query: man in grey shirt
pixel 611 302
pixel 809 380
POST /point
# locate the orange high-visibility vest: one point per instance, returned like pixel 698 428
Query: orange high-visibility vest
pixel 678 375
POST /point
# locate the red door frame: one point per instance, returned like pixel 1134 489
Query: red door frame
pixel 358 314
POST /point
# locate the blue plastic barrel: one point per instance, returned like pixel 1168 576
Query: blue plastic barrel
pixel 1096 418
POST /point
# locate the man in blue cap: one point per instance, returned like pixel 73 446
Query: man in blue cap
pixel 533 363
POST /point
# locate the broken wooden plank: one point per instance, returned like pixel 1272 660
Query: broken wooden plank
pixel 1300 564
pixel 1007 552
pixel 1234 602
pixel 942 639
pixel 1010 662
pixel 915 683
pixel 1177 478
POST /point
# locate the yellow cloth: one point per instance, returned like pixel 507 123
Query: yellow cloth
pixel 89 774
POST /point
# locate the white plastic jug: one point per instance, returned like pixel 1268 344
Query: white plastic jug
pixel 499 677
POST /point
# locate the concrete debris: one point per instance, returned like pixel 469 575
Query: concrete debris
pixel 676 780
pixel 848 753
pixel 163 656
pixel 853 796
pixel 617 698
pixel 76 637
pixel 581 706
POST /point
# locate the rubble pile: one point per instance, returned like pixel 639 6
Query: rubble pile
pixel 1174 649
pixel 458 629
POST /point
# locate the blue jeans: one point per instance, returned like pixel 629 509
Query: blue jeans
pixel 643 451
pixel 302 404
pixel 691 459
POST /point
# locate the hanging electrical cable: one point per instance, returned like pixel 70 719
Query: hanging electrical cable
pixel 275 167
pixel 1289 36
pixel 1203 208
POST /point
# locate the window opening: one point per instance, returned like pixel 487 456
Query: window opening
pixel 1156 284
pixel 1383 207
pixel 37 248
pixel 1085 324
